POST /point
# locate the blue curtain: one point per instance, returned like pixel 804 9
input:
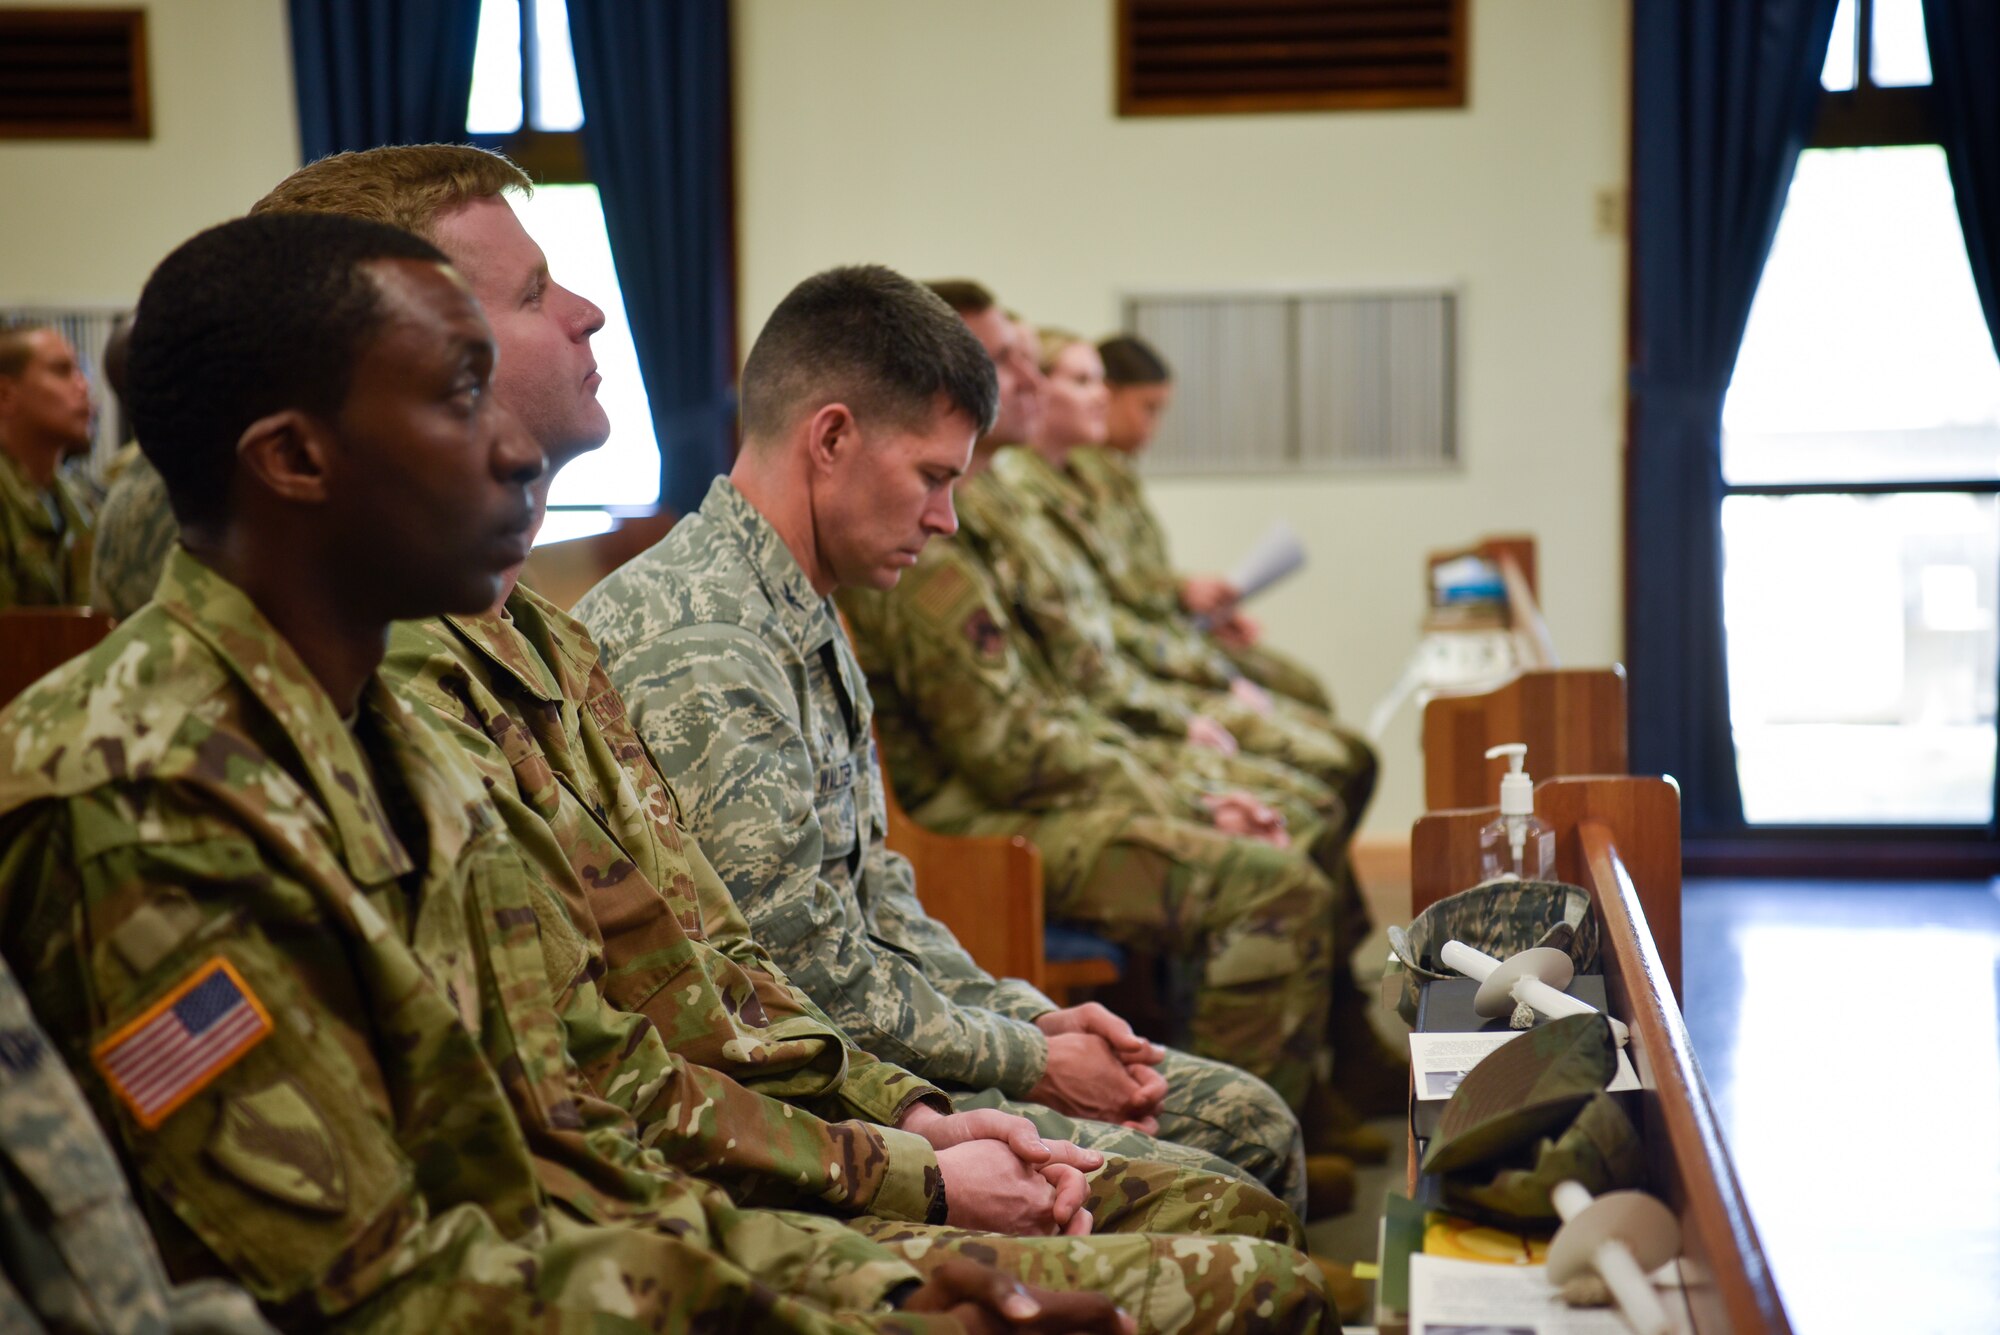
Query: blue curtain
pixel 372 72
pixel 1965 71
pixel 1723 98
pixel 657 133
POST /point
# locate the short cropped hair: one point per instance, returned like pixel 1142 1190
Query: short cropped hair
pixel 1130 360
pixel 246 319
pixel 409 186
pixel 17 345
pixel 870 338
pixel 963 295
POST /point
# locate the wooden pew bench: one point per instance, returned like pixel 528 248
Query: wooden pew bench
pixel 1619 838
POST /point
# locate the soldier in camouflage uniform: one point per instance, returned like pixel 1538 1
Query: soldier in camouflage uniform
pixel 1140 574
pixel 74 1252
pixel 740 680
pixel 631 911
pixel 134 532
pixel 45 516
pixel 222 874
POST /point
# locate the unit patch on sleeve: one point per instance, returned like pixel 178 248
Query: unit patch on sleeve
pixel 170 1051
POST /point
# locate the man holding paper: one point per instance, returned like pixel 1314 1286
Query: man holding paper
pixel 1141 577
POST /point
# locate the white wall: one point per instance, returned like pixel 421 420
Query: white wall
pixel 84 221
pixel 961 137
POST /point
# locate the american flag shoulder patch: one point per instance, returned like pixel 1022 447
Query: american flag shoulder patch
pixel 166 1054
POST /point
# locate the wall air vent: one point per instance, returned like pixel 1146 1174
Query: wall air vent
pixel 1196 57
pixel 74 74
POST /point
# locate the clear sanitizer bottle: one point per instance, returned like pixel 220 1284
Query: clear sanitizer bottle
pixel 1518 846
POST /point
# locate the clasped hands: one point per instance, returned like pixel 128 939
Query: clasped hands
pixel 1000 1175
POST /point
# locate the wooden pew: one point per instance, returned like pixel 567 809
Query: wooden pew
pixel 988 890
pixel 1619 837
pixel 1572 719
pixel 35 641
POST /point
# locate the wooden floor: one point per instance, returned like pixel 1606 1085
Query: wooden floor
pixel 1849 1033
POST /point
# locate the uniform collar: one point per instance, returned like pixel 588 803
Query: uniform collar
pixel 511 641
pixel 222 617
pixel 19 494
pixel 806 616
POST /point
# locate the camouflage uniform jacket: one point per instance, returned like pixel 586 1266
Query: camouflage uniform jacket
pixel 1098 500
pixel 44 540
pixel 1168 646
pixel 623 898
pixel 74 1251
pixel 389 1132
pixel 135 531
pixel 746 690
pixel 970 717
pixel 1056 595
pixel 1131 554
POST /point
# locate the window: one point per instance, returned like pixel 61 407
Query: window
pixel 525 102
pixel 1861 463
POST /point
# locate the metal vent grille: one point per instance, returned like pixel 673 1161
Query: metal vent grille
pixel 73 74
pixel 1297 382
pixel 1202 56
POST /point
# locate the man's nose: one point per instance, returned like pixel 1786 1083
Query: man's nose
pixel 940 517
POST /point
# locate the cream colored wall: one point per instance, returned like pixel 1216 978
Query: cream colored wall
pixel 84 221
pixel 960 137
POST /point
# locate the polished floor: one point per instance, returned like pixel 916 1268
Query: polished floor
pixel 1849 1033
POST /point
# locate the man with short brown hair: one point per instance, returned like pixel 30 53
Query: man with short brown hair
pixel 45 521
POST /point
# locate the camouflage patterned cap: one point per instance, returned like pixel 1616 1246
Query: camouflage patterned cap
pixel 1526 1088
pixel 1501 918
pixel 1600 1149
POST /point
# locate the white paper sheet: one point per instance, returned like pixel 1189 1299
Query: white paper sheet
pixel 1277 554
pixel 1440 1061
pixel 1452 1297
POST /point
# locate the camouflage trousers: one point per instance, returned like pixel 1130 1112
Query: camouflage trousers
pixel 1302 739
pixel 1215 1119
pixel 1281 675
pixel 1168 1284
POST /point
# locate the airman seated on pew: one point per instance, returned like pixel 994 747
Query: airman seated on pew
pixel 627 898
pixel 45 517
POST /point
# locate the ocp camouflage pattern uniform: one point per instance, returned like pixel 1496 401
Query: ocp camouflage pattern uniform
pixel 1068 608
pixel 406 1145
pixel 743 686
pixel 981 740
pixel 135 532
pixel 44 540
pixel 1133 560
pixel 633 914
pixel 75 1255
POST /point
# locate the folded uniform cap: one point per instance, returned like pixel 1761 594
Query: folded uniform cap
pixel 1501 918
pixel 1600 1149
pixel 1526 1088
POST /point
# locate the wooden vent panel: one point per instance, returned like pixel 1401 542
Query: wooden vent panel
pixel 73 74
pixel 1187 57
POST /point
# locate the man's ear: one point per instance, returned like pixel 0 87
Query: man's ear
pixel 831 434
pixel 287 453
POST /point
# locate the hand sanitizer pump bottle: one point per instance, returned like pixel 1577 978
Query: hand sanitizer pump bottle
pixel 1518 846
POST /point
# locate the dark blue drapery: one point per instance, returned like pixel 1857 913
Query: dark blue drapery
pixel 1965 71
pixel 373 72
pixel 656 130
pixel 1723 98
